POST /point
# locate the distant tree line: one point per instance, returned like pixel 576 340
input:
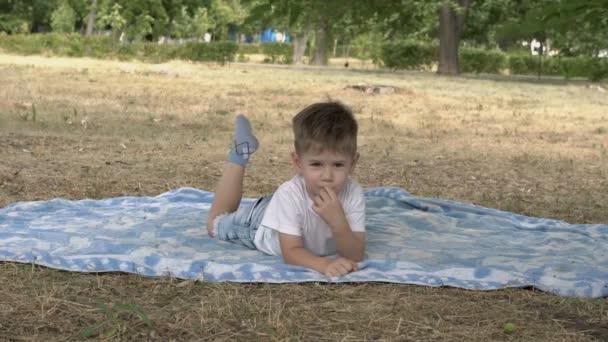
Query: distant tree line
pixel 322 27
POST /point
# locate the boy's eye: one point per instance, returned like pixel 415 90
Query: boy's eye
pixel 339 165
pixel 315 164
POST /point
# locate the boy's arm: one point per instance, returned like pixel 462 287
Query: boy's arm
pixel 349 244
pixel 294 253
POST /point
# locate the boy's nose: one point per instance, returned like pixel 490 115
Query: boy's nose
pixel 327 175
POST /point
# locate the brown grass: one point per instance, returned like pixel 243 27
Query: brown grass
pixel 106 128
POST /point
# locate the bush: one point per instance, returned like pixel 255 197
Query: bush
pixel 105 47
pixel 278 52
pixel 18 43
pixel 151 52
pixel 56 44
pixel 98 46
pixel 574 66
pixel 249 49
pixel 481 60
pixel 408 55
pixel 594 69
pixel 598 69
pixel 532 65
pixel 126 51
pixel 368 46
pixel 222 52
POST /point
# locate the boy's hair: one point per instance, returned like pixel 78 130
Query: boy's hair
pixel 328 125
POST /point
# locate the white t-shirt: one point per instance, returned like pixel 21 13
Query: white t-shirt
pixel 290 212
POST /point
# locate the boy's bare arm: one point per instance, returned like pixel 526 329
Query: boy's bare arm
pixel 349 244
pixel 294 253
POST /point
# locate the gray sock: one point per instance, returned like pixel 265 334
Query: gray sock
pixel 244 142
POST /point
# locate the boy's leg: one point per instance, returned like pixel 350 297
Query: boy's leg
pixel 229 190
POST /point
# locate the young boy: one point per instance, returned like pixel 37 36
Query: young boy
pixel 317 214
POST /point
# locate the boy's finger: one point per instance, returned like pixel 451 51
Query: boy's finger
pixel 330 192
pixel 347 265
pixel 316 200
pixel 323 194
pixel 344 271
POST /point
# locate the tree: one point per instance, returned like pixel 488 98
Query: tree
pixel 186 25
pixel 63 18
pixel 111 17
pixel 300 18
pixel 143 19
pixel 91 17
pixel 223 14
pixel 451 24
pixel 289 15
pixel 575 27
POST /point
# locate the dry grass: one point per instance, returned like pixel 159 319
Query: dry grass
pixel 106 128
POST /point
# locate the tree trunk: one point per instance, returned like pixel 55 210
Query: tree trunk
pixel 92 14
pixel 299 45
pixel 451 24
pixel 320 56
pixel 335 47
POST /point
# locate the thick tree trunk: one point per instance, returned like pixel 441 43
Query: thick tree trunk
pixel 92 15
pixel 320 56
pixel 299 45
pixel 451 24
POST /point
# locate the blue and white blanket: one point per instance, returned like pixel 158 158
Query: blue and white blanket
pixel 411 240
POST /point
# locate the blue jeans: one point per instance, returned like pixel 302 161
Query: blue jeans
pixel 240 226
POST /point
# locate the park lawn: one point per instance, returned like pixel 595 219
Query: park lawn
pixel 84 128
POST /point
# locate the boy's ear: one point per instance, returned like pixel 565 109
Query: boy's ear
pixel 297 163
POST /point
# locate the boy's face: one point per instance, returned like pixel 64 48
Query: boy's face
pixel 324 168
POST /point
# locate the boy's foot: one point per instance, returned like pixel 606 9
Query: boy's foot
pixel 244 142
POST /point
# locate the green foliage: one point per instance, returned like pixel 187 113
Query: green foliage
pixel 278 52
pixel 409 55
pixel 186 25
pixel 368 46
pixel 598 69
pixel 249 49
pixel 224 13
pixel 534 65
pixel 149 52
pixel 478 60
pixel 13 24
pixel 577 28
pixel 104 47
pixel 222 52
pixel 593 69
pixel 63 18
pixel 111 17
pixel 53 44
pixel 144 18
pixel 574 66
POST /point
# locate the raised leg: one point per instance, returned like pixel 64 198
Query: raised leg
pixel 229 190
pixel 228 193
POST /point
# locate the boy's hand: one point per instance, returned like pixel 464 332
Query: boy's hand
pixel 340 267
pixel 328 206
